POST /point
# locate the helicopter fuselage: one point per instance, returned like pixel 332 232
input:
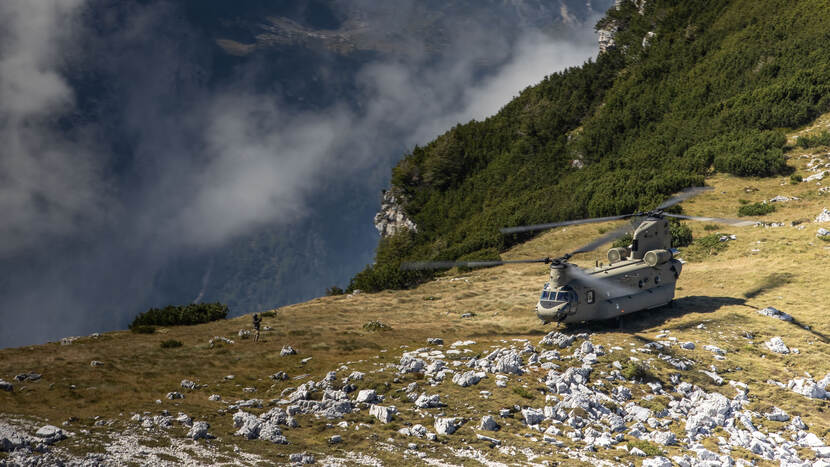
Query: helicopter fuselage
pixel 616 290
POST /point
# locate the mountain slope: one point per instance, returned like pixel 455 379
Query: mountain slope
pixel 116 410
pixel 688 88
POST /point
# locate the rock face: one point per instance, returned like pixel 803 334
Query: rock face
pixel 11 439
pixel 391 218
pixel 605 37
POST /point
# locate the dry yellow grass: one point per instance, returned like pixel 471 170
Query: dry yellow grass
pixel 782 267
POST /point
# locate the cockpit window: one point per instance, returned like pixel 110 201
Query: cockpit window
pixel 545 294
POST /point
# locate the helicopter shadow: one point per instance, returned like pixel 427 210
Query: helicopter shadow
pixel 648 319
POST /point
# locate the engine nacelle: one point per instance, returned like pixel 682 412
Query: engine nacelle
pixel 617 254
pixel 655 257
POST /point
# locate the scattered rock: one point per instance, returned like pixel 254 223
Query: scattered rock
pixel 776 344
pixel 435 341
pixel 187 384
pixel 428 402
pixel 50 434
pixel 688 345
pixel 96 363
pixel 772 312
pixel 468 315
pixel 366 395
pixel 777 415
pixel 6 386
pixel 658 461
pixel 468 378
pixel 302 458
pixel 558 339
pixel 488 424
pixel 447 425
pixel 244 333
pixel 714 349
pixel 175 395
pixel 199 430
pixel 382 413
pixel 287 350
pixel 279 376
pixel 532 416
pixel 336 439
pixel 824 216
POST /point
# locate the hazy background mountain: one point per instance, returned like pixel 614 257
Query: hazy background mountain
pixel 161 152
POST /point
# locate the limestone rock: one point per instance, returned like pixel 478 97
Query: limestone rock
pixel 447 425
pixel 391 218
pixel 558 339
pixel 175 395
pixel 382 413
pixel 6 386
pixel 468 378
pixel 772 312
pixel 187 384
pixel 435 341
pixel 50 434
pixel 287 350
pixel 488 423
pixel 532 416
pixel 199 430
pixel 426 402
pixel 776 344
pixel 366 395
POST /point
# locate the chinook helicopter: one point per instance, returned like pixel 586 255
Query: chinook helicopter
pixel 641 276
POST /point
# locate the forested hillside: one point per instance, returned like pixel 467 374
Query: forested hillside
pixel 689 88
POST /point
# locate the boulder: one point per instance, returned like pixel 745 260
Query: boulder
pixel 558 339
pixel 807 387
pixel 248 425
pixel 175 395
pixel 532 416
pixel 302 457
pixel 199 430
pixel 11 439
pixel 426 402
pixel 777 415
pixel 774 313
pixel 435 341
pixel 687 345
pixel 287 350
pixel 714 349
pixel 382 413
pixel 215 397
pixel 366 395
pixel 6 386
pixel 187 384
pixel 336 439
pixel 50 434
pixel 96 363
pixel 776 344
pixel 468 378
pixel 488 423
pixel 447 425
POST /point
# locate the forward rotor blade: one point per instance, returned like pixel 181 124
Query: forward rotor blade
pixel 720 220
pixel 683 196
pixel 530 228
pixel 610 236
pixel 425 265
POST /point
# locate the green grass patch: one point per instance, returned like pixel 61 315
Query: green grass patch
pixel 143 329
pixel 171 344
pixel 636 371
pixel 523 392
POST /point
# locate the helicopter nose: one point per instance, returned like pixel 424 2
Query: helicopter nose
pixel 554 313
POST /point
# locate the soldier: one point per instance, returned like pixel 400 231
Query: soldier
pixel 257 320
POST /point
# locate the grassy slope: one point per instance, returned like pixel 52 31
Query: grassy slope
pixel 787 272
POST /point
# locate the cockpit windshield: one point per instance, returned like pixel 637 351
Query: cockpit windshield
pixel 564 295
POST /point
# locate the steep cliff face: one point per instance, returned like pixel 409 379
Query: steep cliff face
pixel 391 218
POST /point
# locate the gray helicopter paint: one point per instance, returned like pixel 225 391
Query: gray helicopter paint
pixel 621 288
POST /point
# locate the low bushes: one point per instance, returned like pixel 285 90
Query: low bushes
pixel 194 313
pixel 755 209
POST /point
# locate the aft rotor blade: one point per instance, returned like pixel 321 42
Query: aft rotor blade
pixel 425 265
pixel 720 220
pixel 530 228
pixel 610 236
pixel 683 196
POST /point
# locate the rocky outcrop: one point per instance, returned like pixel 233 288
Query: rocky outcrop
pixel 391 218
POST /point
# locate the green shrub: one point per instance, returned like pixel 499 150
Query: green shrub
pixel 171 344
pixel 268 314
pixel 681 234
pixel 636 371
pixel 143 329
pixel 376 326
pixel 756 209
pixel 194 313
pixel 742 201
pixel 650 449
pixel 711 227
pixel 810 141
pixel 795 179
pixel 334 290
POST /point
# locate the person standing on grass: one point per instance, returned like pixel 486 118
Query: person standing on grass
pixel 257 320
